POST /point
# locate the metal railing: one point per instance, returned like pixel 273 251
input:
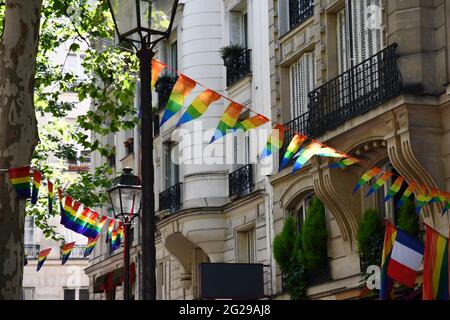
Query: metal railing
pixel 170 199
pixel 32 251
pixel 77 252
pixel 299 11
pixel 365 86
pixel 238 67
pixel 240 181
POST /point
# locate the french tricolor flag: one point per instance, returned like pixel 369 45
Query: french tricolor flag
pixel 406 257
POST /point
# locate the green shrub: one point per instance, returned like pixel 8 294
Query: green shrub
pixel 407 219
pixel 315 237
pixel 284 244
pixel 370 238
pixel 231 52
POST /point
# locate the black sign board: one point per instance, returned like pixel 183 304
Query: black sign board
pixel 231 281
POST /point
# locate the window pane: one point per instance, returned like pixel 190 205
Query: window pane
pixel 84 294
pixel 69 294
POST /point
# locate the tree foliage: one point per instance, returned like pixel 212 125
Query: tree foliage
pixel 408 220
pixel 108 82
pixel 370 238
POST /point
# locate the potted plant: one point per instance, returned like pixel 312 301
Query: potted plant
pixel 231 52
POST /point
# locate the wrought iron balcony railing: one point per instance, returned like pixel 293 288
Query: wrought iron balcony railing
pixel 238 67
pixel 241 181
pixel 299 11
pixel 170 199
pixel 354 92
pixel 32 251
pixel 77 252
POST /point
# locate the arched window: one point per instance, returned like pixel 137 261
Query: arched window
pixel 298 209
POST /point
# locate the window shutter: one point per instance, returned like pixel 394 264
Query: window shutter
pixel 302 76
pixel 342 42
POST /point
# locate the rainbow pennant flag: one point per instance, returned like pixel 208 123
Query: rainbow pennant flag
pixel 100 224
pixel 447 204
pixel 386 282
pixel 344 163
pixel 379 183
pixel 65 213
pixel 50 196
pixel 20 179
pixel 114 240
pixel 43 254
pixel 293 147
pixel 435 266
pixel 306 154
pixel 89 229
pixel 157 68
pixel 82 220
pixel 395 188
pixel 366 178
pixel 275 141
pixel 72 213
pixel 90 246
pixel 252 123
pixel 407 193
pixel 434 196
pixel 199 106
pixel 228 121
pixel 37 177
pixel 111 224
pixel 326 151
pixel 422 199
pixel 180 91
pixel 66 250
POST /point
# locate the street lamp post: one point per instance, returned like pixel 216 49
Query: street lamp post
pixel 143 23
pixel 125 196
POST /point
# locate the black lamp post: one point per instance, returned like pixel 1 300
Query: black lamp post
pixel 143 23
pixel 125 196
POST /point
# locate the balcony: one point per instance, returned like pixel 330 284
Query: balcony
pixel 32 251
pixel 299 11
pixel 354 92
pixel 77 252
pixel 170 199
pixel 238 67
pixel 240 181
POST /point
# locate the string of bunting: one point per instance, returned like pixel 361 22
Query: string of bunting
pixel 301 148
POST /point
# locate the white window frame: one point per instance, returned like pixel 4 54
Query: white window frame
pixel 302 78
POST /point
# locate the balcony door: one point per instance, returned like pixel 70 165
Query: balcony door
pixel 364 19
pixel 239 28
pixel 302 80
pixel 171 167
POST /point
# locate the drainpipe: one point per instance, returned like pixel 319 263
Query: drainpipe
pixel 268 210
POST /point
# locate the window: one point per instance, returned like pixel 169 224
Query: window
pixel 241 151
pixel 27 293
pixel 239 28
pixel 173 61
pixel 73 64
pixel 302 209
pixel 366 32
pixel 246 246
pixel 163 280
pixel 76 294
pixel 69 294
pixel 29 230
pixel 302 78
pixel 171 167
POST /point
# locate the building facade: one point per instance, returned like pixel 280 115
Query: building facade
pixel 367 77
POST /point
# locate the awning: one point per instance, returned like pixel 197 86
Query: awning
pixel 113 279
pixel 117 275
pixel 99 284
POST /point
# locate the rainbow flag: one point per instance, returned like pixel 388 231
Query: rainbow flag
pixel 447 205
pixel 326 151
pixel 65 213
pixel 344 163
pixel 114 240
pixel 111 224
pixel 407 193
pixel 50 196
pixel 37 177
pixel 252 123
pixel 275 141
pixel 71 213
pixel 180 91
pixel 82 220
pixel 435 266
pixel 380 182
pixel 366 178
pixel 199 106
pixel 90 246
pixel 20 179
pixel 395 188
pixel 305 154
pixel 43 254
pixel 293 147
pixel 66 250
pixel 100 224
pixel 422 199
pixel 228 121
pixel 434 196
pixel 157 68
pixel 89 229
pixel 386 282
